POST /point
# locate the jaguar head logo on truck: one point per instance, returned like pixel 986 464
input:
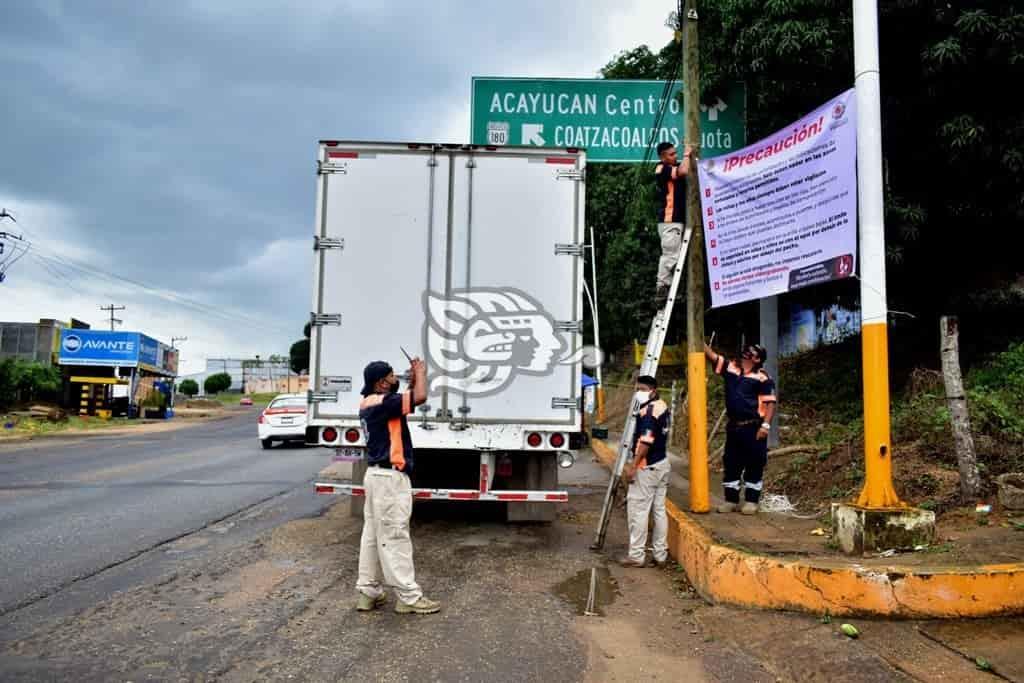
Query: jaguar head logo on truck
pixel 479 340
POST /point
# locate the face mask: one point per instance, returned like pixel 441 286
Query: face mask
pixel 394 388
pixel 643 396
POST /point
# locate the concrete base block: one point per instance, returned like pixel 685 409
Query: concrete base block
pixel 860 530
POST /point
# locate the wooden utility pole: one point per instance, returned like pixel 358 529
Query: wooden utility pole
pixel 696 369
pixel 113 320
pixel 959 417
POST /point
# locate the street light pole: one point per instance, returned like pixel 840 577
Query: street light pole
pixel 878 489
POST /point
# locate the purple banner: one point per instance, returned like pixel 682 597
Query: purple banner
pixel 782 213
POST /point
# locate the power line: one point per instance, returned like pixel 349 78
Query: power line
pixel 94 272
pixel 205 309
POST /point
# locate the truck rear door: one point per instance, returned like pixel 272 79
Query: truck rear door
pixel 381 220
pixel 517 223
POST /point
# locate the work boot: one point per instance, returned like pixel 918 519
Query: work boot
pixel 368 604
pixel 630 563
pixel 422 606
pixel 727 507
pixel 661 296
pixel 661 564
pixel 749 508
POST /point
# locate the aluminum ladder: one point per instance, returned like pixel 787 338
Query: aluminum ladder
pixel 649 366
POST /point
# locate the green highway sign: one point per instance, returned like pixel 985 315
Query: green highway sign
pixel 611 119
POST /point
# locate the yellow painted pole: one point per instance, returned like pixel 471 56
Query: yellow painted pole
pixel 696 366
pixel 878 491
pixel 600 405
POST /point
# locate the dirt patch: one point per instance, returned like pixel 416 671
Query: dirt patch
pixel 255 582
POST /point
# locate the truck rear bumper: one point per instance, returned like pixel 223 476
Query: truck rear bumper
pixel 330 488
pixel 485 490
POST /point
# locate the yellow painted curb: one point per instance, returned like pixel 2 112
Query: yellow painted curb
pixel 841 586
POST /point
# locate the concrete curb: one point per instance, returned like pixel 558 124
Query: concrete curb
pixel 841 587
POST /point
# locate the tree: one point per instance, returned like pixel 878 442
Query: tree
pixel 953 142
pixel 189 387
pixel 217 383
pixel 298 354
pixel 22 380
pixel 954 165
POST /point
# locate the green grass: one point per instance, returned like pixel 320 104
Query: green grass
pixel 31 427
pixel 232 399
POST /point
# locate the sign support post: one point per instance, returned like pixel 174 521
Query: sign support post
pixel 696 367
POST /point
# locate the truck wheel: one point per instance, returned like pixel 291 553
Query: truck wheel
pixel 267 444
pixel 539 474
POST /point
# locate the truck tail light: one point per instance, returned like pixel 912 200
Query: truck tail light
pixel 352 435
pixel 534 440
pixel 556 440
pixel 330 434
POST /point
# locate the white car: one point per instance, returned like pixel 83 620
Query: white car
pixel 283 420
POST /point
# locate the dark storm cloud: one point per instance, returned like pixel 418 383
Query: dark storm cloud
pixel 181 135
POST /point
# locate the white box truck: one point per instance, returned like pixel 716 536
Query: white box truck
pixel 472 258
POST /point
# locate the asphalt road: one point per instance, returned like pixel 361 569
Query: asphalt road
pixel 70 509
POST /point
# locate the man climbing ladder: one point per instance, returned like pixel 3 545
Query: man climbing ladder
pixel 670 204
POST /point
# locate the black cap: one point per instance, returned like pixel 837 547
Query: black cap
pixel 758 351
pixel 648 380
pixel 373 373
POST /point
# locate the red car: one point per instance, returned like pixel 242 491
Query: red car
pixel 246 401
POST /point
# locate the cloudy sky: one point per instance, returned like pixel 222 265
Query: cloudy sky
pixel 160 155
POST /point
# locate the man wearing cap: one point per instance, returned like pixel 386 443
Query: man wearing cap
pixel 750 404
pixel 648 473
pixel 385 545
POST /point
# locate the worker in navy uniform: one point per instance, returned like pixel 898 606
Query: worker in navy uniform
pixel 670 205
pixel 750 404
pixel 648 472
pixel 385 545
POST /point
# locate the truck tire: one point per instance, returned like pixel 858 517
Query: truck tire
pixel 539 474
pixel 267 444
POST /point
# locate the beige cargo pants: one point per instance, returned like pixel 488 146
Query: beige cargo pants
pixel 671 235
pixel 385 545
pixel 647 492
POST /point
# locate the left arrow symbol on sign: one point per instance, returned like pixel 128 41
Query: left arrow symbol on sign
pixel 532 134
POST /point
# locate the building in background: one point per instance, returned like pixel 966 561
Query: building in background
pixel 285 384
pixel 34 342
pixel 246 372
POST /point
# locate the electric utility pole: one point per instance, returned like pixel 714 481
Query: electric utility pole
pixel 696 370
pixel 113 320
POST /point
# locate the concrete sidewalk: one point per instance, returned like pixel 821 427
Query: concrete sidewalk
pixel 721 564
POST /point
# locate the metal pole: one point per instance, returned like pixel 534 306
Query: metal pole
pixel 769 333
pixel 597 328
pixel 672 414
pixel 696 370
pixel 878 490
